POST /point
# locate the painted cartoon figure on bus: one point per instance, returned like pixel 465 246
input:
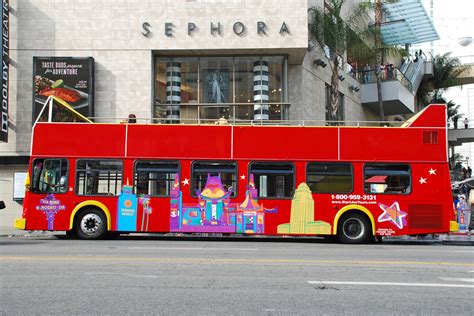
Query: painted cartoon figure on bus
pixel 302 215
pixel 144 201
pixel 127 210
pixel 214 212
pixel 393 214
pixel 50 206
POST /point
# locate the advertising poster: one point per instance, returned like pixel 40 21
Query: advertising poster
pixel 19 179
pixel 216 87
pixel 4 76
pixel 68 78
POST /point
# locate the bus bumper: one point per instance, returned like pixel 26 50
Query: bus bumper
pixel 20 223
pixel 453 226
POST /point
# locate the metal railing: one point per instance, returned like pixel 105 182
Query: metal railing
pixel 240 122
pixel 461 124
pixel 393 74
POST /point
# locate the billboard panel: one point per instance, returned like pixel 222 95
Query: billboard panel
pixel 68 78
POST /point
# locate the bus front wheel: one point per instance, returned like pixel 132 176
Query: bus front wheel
pixel 354 228
pixel 91 224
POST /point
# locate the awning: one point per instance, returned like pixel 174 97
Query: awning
pixel 406 22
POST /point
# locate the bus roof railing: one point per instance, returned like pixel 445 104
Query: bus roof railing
pixel 239 122
pixel 54 105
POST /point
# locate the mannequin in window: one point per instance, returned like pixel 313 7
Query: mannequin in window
pixel 216 83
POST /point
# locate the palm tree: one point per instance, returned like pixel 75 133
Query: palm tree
pixel 446 72
pixel 452 108
pixel 330 31
pixel 338 35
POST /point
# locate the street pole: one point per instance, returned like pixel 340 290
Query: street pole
pixel 378 56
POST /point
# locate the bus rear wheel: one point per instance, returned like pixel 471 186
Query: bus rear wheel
pixel 354 228
pixel 91 224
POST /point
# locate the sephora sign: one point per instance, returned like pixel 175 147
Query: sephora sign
pixel 238 28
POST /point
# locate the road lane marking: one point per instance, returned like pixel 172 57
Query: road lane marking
pixel 125 274
pixel 193 248
pixel 230 260
pixel 464 251
pixel 392 284
pixel 458 279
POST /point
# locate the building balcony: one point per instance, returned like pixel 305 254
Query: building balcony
pixel 397 92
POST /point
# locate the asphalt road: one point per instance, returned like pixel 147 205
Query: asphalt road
pixel 48 276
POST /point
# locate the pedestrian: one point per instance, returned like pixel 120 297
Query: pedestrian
pixel 462 212
pixel 132 118
pixel 464 173
pixel 366 73
pixel 382 71
pixel 416 57
pixel 471 208
pixel 390 70
pixel 469 172
pixel 466 122
pixel 455 122
pixel 354 70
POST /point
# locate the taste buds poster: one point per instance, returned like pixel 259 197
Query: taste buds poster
pixel 68 78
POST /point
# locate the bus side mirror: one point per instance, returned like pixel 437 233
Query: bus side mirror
pixel 2 205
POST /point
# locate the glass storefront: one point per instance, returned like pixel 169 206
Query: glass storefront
pixel 211 88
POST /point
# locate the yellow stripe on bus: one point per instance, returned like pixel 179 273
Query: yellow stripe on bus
pixel 349 208
pixel 89 203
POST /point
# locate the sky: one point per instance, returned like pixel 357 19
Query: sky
pixel 453 20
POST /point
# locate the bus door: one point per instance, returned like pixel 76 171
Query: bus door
pixel 156 182
pixel 48 200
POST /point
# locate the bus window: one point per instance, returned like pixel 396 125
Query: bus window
pixel 155 178
pixel 226 171
pixel 49 176
pixel 329 177
pixel 273 180
pixel 387 178
pixel 98 177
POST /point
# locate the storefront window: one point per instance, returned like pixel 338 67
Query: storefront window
pixel 210 88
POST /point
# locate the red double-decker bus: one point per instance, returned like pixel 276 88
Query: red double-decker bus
pixel 356 183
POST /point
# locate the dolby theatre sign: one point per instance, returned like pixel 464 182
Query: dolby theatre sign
pixel 215 28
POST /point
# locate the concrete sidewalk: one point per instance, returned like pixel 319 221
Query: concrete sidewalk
pixel 446 239
pixel 459 239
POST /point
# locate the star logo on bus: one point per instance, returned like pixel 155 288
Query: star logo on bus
pixel 185 181
pixel 242 177
pixel 393 214
pixel 422 180
pixel 432 171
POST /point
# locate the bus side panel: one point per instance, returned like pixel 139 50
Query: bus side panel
pixel 179 141
pixel 390 144
pixel 285 143
pixel 50 140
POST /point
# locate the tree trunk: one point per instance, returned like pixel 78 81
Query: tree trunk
pixel 334 89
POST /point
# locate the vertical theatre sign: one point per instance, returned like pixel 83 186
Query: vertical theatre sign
pixel 68 78
pixel 4 81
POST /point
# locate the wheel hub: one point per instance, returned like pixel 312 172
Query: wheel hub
pixel 90 224
pixel 353 228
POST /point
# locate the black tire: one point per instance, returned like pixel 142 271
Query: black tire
pixel 113 235
pixel 354 228
pixel 91 224
pixel 71 234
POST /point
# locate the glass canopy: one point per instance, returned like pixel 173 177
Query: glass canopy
pixel 406 22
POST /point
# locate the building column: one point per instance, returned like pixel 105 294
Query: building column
pixel 173 90
pixel 260 90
